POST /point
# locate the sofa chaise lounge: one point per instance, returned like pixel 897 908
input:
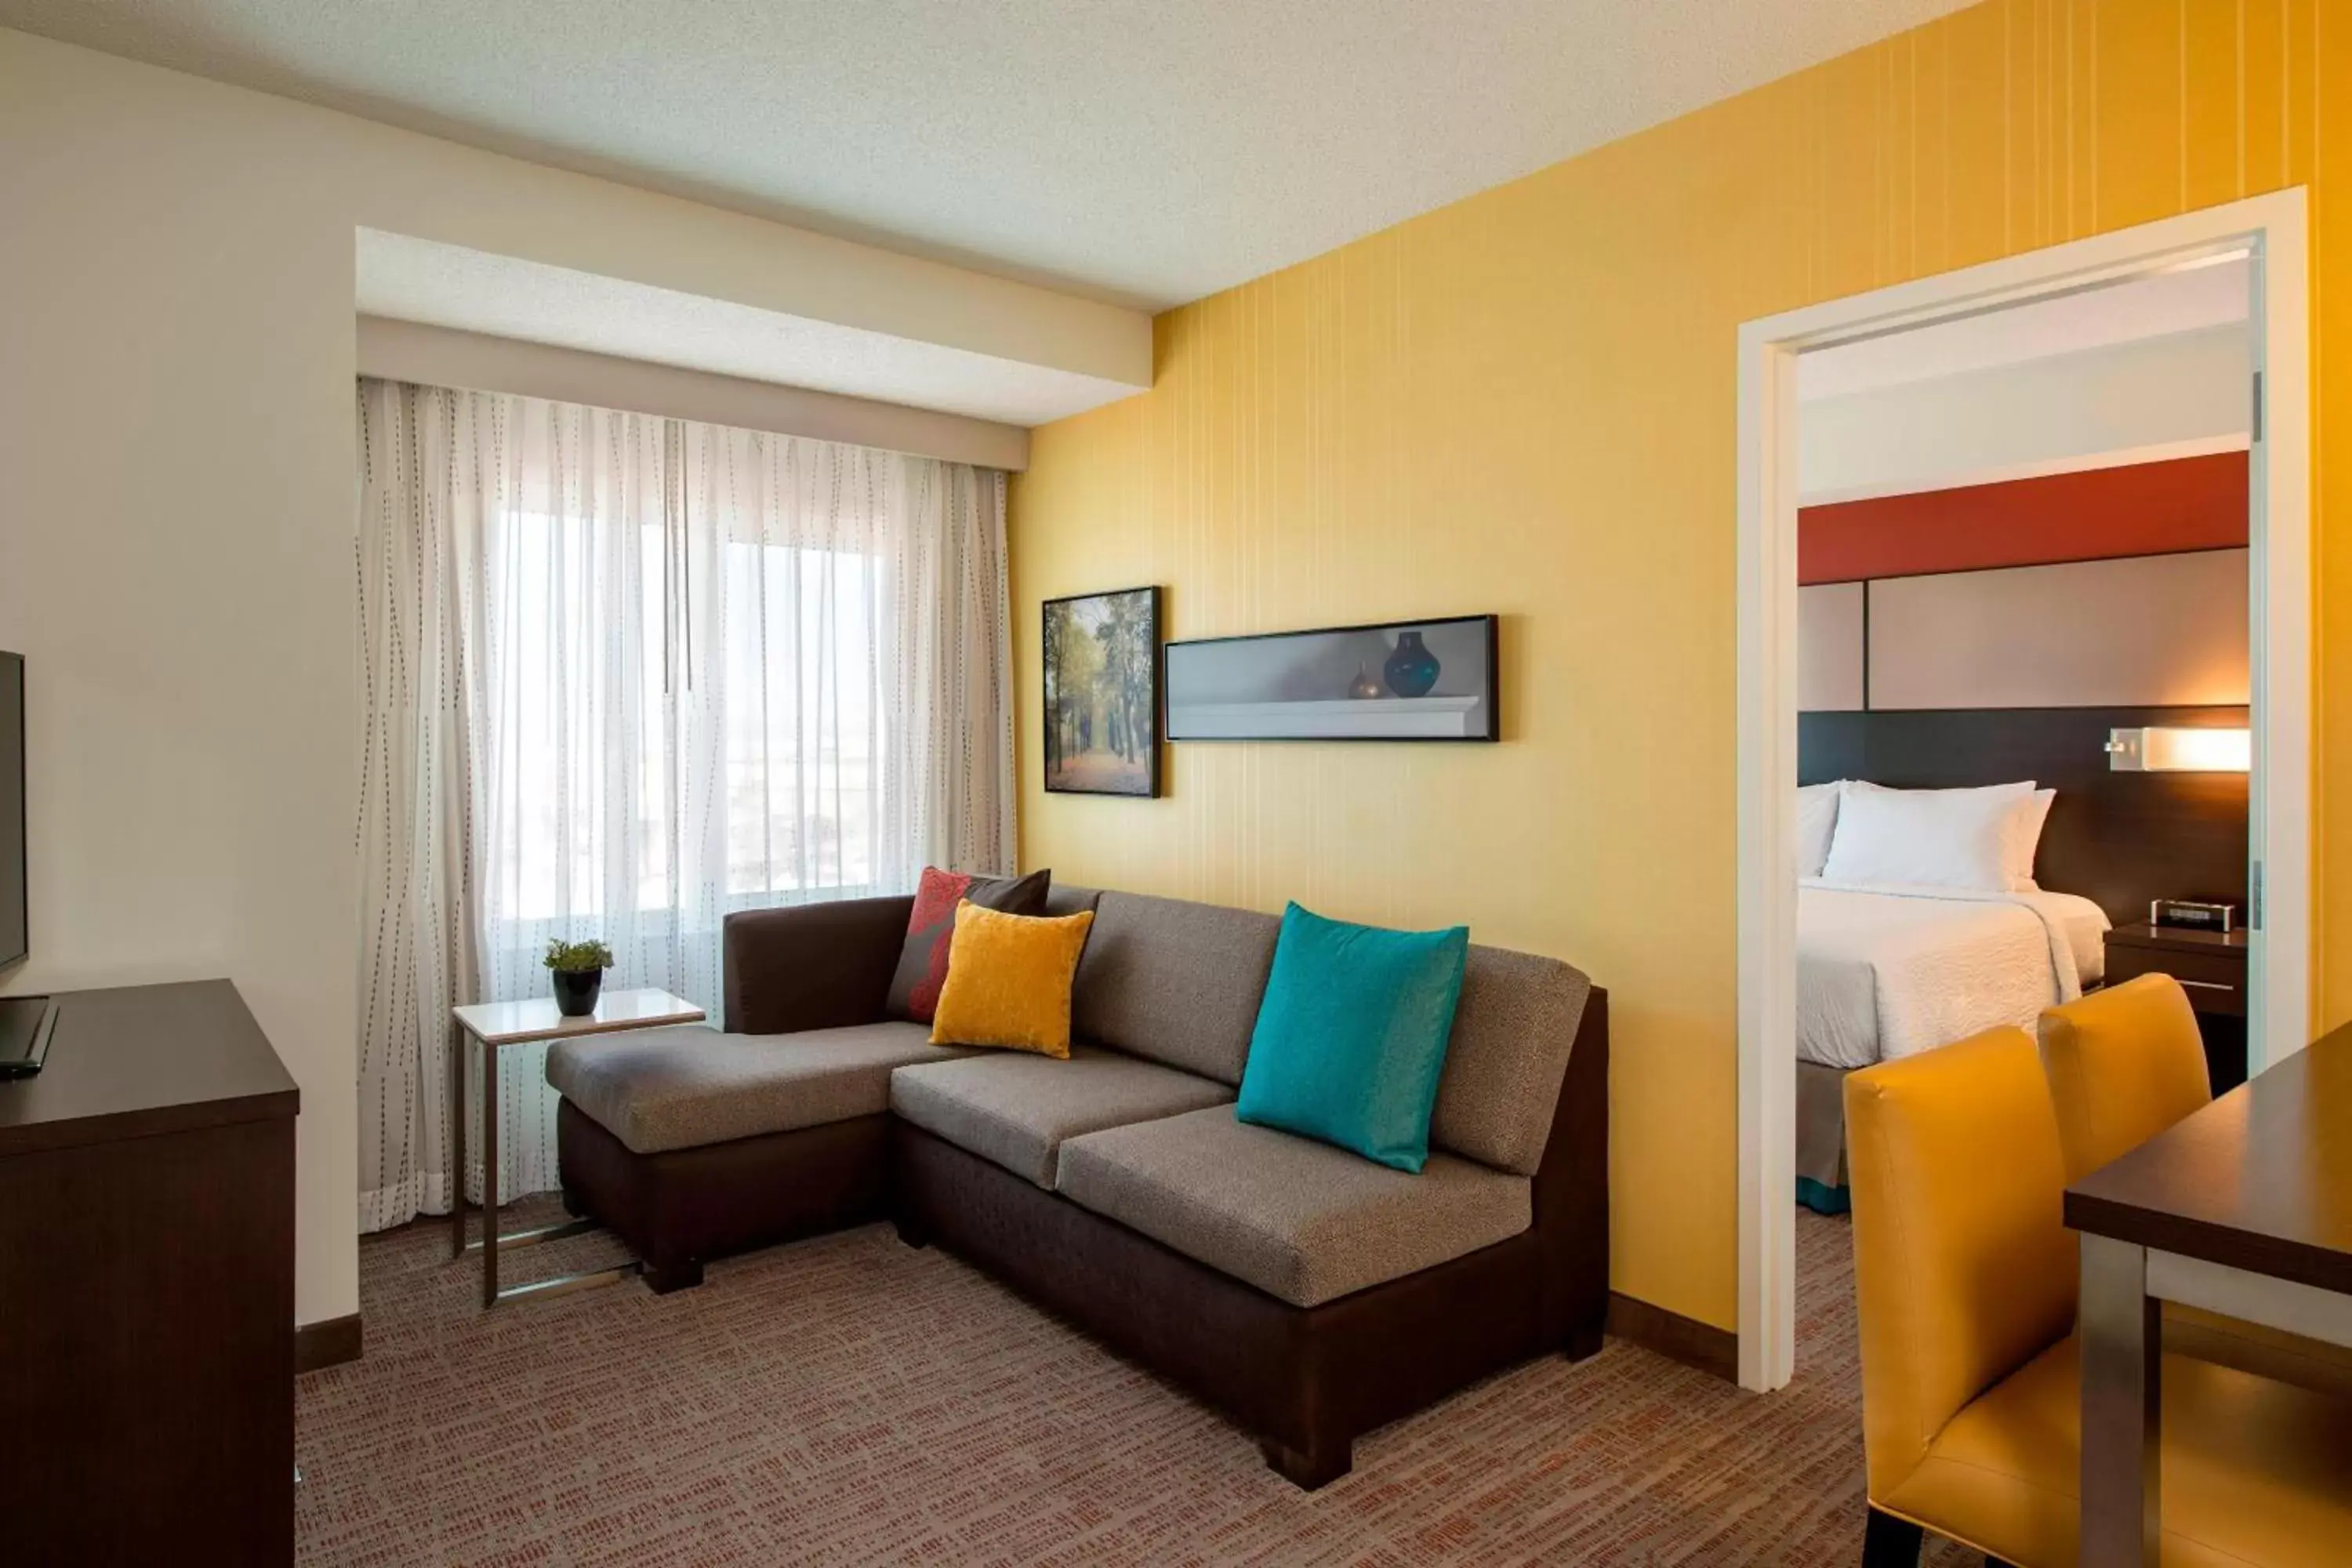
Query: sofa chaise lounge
pixel 1309 1293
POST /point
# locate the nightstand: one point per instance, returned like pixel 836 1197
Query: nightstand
pixel 2210 967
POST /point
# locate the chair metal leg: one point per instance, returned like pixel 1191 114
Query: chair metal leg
pixel 1890 1542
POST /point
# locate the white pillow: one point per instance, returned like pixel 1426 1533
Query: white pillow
pixel 2012 789
pixel 1817 809
pixel 1936 837
pixel 2033 810
pixel 2026 822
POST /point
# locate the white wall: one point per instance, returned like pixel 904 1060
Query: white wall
pixel 443 356
pixel 176 496
pixel 2180 395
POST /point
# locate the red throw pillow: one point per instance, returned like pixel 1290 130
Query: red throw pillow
pixel 923 961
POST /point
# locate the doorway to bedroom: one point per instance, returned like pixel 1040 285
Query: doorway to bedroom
pixel 2022 548
pixel 2022 672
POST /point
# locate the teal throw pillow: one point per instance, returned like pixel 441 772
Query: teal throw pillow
pixel 1351 1036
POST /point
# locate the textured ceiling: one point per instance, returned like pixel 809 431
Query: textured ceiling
pixel 1147 151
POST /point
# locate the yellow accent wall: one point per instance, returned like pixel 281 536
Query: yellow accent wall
pixel 1525 403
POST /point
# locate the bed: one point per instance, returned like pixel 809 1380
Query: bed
pixel 1888 967
pixel 1886 970
pixel 1920 923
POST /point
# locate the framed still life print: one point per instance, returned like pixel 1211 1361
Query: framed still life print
pixel 1400 681
pixel 1102 693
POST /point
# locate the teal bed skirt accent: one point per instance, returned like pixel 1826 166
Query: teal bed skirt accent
pixel 1824 1199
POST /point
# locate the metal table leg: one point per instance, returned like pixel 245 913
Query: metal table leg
pixel 457 1141
pixel 491 1241
pixel 489 1174
pixel 2122 1406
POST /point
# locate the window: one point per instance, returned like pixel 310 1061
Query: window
pixel 603 711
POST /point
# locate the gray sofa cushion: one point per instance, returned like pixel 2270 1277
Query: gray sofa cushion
pixel 1507 1057
pixel 1300 1220
pixel 679 1088
pixel 1176 982
pixel 1015 1108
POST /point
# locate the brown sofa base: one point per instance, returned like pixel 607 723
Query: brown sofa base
pixel 1306 1381
pixel 680 1209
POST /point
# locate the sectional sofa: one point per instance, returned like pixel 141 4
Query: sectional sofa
pixel 1310 1294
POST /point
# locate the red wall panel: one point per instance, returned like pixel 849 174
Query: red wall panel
pixel 2145 509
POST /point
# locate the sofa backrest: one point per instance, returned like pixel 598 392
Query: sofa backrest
pixel 1507 1056
pixel 1176 982
pixel 1066 898
pixel 1180 983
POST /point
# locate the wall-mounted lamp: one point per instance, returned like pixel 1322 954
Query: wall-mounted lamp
pixel 2176 751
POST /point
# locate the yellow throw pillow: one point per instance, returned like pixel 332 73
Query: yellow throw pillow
pixel 1009 980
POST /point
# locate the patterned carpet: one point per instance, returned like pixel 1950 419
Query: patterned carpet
pixel 848 1400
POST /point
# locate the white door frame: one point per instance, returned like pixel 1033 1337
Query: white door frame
pixel 2272 230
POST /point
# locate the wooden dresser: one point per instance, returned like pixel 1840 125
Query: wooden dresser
pixel 147 1287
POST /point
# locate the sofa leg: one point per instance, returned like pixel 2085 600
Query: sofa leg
pixel 573 1204
pixel 912 1233
pixel 1309 1471
pixel 1890 1542
pixel 1584 1343
pixel 662 1278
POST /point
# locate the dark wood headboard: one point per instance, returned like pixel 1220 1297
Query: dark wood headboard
pixel 2119 839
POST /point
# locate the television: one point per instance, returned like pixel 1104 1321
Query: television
pixel 13 911
pixel 26 1022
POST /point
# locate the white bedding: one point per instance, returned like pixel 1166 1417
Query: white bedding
pixel 1884 972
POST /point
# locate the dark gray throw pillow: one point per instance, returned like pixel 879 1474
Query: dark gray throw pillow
pixel 923 961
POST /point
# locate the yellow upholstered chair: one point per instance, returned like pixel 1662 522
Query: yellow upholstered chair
pixel 1966 1277
pixel 2125 1064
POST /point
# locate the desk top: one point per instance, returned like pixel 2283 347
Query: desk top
pixel 520 1023
pixel 138 1060
pixel 2259 1180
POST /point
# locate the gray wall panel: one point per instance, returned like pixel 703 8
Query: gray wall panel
pixel 1829 647
pixel 2143 631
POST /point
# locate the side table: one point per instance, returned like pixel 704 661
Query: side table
pixel 2211 968
pixel 498 1024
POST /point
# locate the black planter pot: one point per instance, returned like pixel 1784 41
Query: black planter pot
pixel 576 991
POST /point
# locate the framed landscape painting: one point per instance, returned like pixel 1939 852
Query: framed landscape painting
pixel 1102 693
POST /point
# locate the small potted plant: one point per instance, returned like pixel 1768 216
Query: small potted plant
pixel 578 968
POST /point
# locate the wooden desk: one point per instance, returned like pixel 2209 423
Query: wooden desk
pixel 2245 1209
pixel 498 1023
pixel 147 1286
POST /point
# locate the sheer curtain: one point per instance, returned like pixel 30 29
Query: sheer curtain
pixel 626 675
